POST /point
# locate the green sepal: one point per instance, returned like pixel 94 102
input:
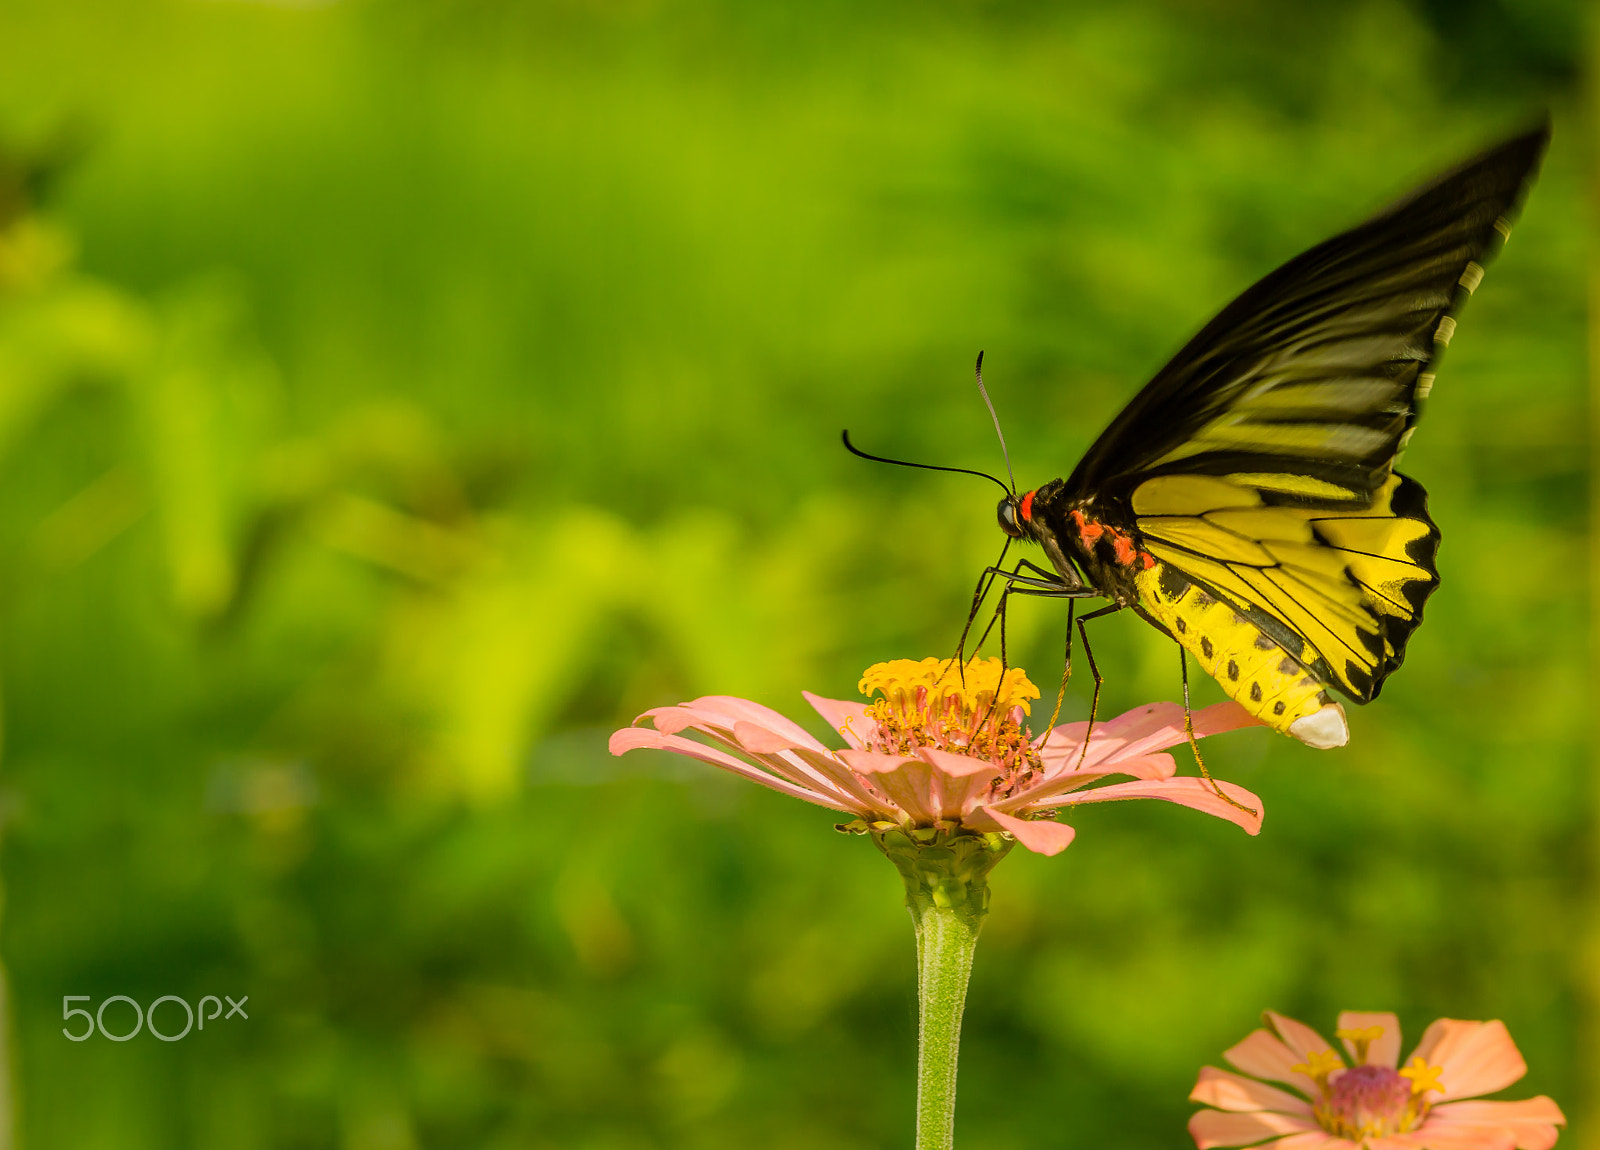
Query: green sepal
pixel 944 867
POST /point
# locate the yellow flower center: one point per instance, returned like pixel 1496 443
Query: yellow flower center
pixel 973 710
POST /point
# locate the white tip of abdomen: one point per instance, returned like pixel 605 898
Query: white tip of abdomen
pixel 1323 730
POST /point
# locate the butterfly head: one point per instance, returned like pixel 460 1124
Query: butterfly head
pixel 1016 516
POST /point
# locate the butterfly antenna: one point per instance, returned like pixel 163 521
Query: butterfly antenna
pixel 984 391
pixel 854 450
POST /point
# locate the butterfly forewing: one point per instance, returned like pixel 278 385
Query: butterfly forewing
pixel 1315 372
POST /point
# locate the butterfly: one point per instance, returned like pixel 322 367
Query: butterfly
pixel 1245 503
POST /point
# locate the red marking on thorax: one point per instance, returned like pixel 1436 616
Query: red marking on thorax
pixel 1088 530
pixel 1027 506
pixel 1122 548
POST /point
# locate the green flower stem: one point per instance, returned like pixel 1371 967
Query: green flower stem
pixel 946 874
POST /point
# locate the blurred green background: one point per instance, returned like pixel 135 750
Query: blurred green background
pixel 396 396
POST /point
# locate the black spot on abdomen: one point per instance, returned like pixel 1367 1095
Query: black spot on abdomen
pixel 1205 646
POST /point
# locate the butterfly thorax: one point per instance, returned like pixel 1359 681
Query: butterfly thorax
pixel 1079 536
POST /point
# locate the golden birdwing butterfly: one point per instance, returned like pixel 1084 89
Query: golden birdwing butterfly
pixel 1246 503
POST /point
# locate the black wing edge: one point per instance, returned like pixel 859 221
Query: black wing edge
pixel 1510 166
pixel 1410 501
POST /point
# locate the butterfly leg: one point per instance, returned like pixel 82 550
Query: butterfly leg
pixel 1066 669
pixel 979 594
pixel 1050 587
pixel 1046 585
pixel 1088 653
pixel 1194 744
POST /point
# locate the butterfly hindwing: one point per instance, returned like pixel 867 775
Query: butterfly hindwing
pixel 1348 584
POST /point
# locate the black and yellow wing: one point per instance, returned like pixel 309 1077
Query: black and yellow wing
pixel 1251 483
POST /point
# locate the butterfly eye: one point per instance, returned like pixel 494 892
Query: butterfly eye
pixel 1007 514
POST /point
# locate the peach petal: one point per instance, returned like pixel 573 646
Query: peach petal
pixel 1185 790
pixel 1310 1140
pixel 1521 1135
pixel 1211 1128
pixel 1483 1110
pixel 1474 1057
pixel 1440 1136
pixel 962 780
pixel 907 781
pixel 1041 836
pixel 1297 1036
pixel 845 716
pixel 1531 1122
pixel 1229 1091
pixel 1386 1050
pixel 1265 1055
pixel 642 738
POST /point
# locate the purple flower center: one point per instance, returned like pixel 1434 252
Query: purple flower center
pixel 1369 1102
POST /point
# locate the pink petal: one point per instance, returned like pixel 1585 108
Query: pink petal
pixel 847 717
pixel 1152 768
pixel 1185 791
pixel 1265 1055
pixel 828 766
pixel 1297 1036
pixel 725 710
pixel 1228 1091
pixel 907 781
pixel 1153 727
pixel 962 780
pixel 773 751
pixel 1474 1057
pixel 760 740
pixel 1041 836
pixel 1211 1128
pixel 642 738
pixel 1386 1050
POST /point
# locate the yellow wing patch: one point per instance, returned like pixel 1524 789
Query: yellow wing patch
pixel 1346 582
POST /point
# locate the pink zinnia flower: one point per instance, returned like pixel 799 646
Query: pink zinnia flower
pixel 1370 1104
pixel 940 750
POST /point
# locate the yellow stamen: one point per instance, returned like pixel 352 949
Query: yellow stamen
pixel 976 685
pixel 973 710
pixel 1319 1065
pixel 1423 1077
pixel 1363 1037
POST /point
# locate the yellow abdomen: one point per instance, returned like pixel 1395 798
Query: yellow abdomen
pixel 1253 668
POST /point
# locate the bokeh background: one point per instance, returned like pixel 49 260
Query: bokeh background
pixel 396 397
